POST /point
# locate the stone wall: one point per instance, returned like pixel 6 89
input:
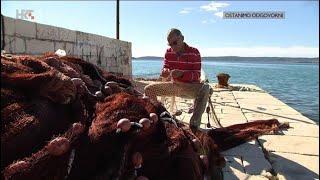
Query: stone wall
pixel 25 37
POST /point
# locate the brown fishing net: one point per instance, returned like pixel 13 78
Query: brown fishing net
pixel 65 118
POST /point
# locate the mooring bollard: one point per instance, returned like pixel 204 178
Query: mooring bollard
pixel 223 80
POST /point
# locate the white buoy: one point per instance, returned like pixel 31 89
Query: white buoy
pixel 60 53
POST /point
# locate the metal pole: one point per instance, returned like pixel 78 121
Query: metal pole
pixel 118 22
pixel 2 32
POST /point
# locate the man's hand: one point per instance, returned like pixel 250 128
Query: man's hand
pixel 177 73
pixel 165 72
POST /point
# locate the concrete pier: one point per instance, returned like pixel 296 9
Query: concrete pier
pixel 291 154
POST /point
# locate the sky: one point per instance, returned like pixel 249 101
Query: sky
pixel 145 24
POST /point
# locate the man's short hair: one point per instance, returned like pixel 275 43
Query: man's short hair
pixel 174 31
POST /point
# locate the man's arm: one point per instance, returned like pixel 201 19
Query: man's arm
pixel 165 71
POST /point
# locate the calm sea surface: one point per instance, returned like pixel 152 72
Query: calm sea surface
pixel 295 84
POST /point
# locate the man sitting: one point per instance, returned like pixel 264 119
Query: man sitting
pixel 182 69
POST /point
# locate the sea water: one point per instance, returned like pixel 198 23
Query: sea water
pixel 295 84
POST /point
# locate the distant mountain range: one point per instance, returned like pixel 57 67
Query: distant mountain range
pixel 244 59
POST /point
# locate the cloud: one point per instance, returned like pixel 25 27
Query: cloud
pixel 185 11
pixel 204 22
pixel 212 21
pixel 262 51
pixel 208 21
pixel 214 6
pixel 149 50
pixel 219 14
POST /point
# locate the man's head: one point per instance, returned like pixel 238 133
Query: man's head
pixel 175 40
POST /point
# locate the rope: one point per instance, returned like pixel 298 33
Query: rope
pixel 213 113
pixel 210 106
pixel 238 107
pixel 173 98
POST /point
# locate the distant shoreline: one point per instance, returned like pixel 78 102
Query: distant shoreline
pixel 245 59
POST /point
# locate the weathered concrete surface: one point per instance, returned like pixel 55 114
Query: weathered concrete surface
pixel 233 163
pixel 302 129
pixel 236 175
pixel 25 37
pixel 295 166
pixel 291 154
pixel 282 118
pixel 291 144
pixel 252 158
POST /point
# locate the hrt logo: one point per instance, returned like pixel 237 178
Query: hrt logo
pixel 25 14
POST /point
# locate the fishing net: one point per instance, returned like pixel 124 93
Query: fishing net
pixel 65 118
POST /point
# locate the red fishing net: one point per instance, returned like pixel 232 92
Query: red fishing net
pixel 65 118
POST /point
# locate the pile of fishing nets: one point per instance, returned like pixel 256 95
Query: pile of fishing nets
pixel 65 118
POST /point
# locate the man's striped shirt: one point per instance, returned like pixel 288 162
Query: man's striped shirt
pixel 189 62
